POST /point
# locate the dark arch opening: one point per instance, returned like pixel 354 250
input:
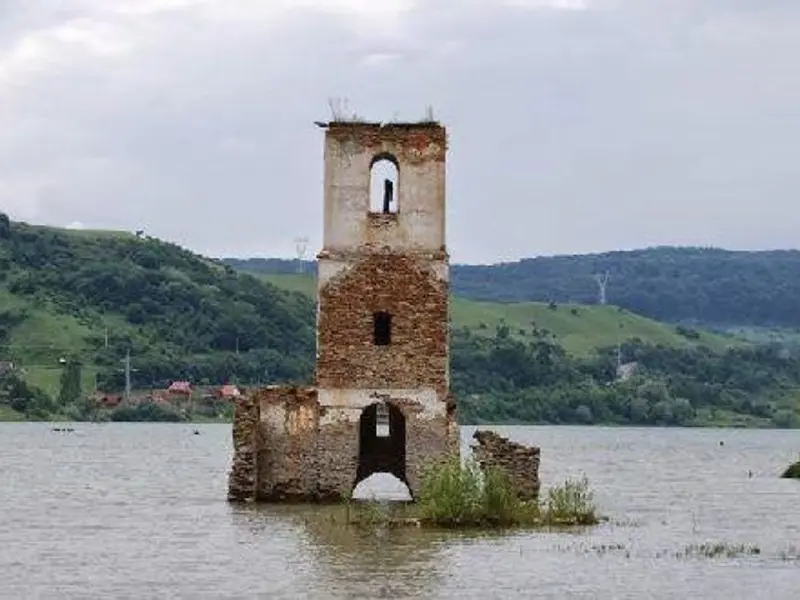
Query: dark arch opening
pixel 382 443
pixel 384 173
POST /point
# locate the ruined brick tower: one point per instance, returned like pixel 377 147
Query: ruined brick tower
pixel 381 401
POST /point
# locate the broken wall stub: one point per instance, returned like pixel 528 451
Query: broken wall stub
pixel 382 329
pixel 243 475
pixel 520 462
pixel 287 452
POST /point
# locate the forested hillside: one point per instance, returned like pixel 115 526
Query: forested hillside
pixel 703 285
pixel 74 303
pixel 700 285
pixel 94 296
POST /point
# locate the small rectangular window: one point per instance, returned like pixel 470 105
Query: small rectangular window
pixel 383 328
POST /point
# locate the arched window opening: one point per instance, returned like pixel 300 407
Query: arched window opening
pixel 382 420
pixel 383 182
pixel 382 458
pixel 382 328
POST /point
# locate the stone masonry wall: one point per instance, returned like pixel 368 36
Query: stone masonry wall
pixel 288 448
pixel 337 454
pixel 242 480
pixel 415 142
pixel 519 461
pixel 417 300
pixel 287 453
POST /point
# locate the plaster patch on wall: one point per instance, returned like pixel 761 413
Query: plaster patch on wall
pixel 440 270
pixel 329 269
pixel 301 419
pixel 347 405
pixel 274 414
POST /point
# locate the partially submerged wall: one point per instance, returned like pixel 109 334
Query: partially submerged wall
pixel 519 461
pixel 243 475
pixel 290 447
pixel 287 454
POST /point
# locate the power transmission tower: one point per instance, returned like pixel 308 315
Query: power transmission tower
pixel 602 283
pixel 301 246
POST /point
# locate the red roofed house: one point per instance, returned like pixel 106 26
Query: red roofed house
pixel 183 388
pixel 228 392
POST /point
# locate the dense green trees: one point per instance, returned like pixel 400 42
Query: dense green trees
pixel 501 379
pixel 703 285
pixel 5 226
pixel 29 401
pixel 70 384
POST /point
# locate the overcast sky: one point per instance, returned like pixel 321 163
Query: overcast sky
pixel 575 125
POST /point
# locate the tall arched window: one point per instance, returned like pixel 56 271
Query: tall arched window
pixel 384 177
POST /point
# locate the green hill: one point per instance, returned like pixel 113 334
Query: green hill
pixel 74 304
pixel 94 296
pixel 580 329
pixel 710 286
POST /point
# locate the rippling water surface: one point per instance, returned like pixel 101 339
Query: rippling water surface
pixel 139 511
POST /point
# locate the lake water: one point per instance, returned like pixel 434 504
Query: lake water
pixel 139 511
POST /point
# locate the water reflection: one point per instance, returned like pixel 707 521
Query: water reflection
pixel 139 511
pixel 382 486
pixel 378 562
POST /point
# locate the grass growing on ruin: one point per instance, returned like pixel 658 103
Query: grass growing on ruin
pixel 453 494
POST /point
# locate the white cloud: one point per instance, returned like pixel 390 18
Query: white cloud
pixel 550 4
pixel 574 125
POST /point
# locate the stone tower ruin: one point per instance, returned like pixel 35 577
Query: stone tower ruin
pixel 381 400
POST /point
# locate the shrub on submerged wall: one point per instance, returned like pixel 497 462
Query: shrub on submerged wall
pixel 453 494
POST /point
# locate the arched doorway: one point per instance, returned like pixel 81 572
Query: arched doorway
pixel 382 450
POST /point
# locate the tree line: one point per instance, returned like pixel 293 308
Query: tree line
pixel 182 316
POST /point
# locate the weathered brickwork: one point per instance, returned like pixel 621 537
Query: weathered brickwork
pixel 289 421
pixel 409 143
pixel 316 444
pixel 242 480
pixel 520 462
pixel 404 287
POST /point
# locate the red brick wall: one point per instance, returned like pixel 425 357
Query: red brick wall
pixel 404 287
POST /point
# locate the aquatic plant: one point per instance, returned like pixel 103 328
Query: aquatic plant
pixel 718 549
pixel 452 494
pixel 456 494
pixel 571 504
